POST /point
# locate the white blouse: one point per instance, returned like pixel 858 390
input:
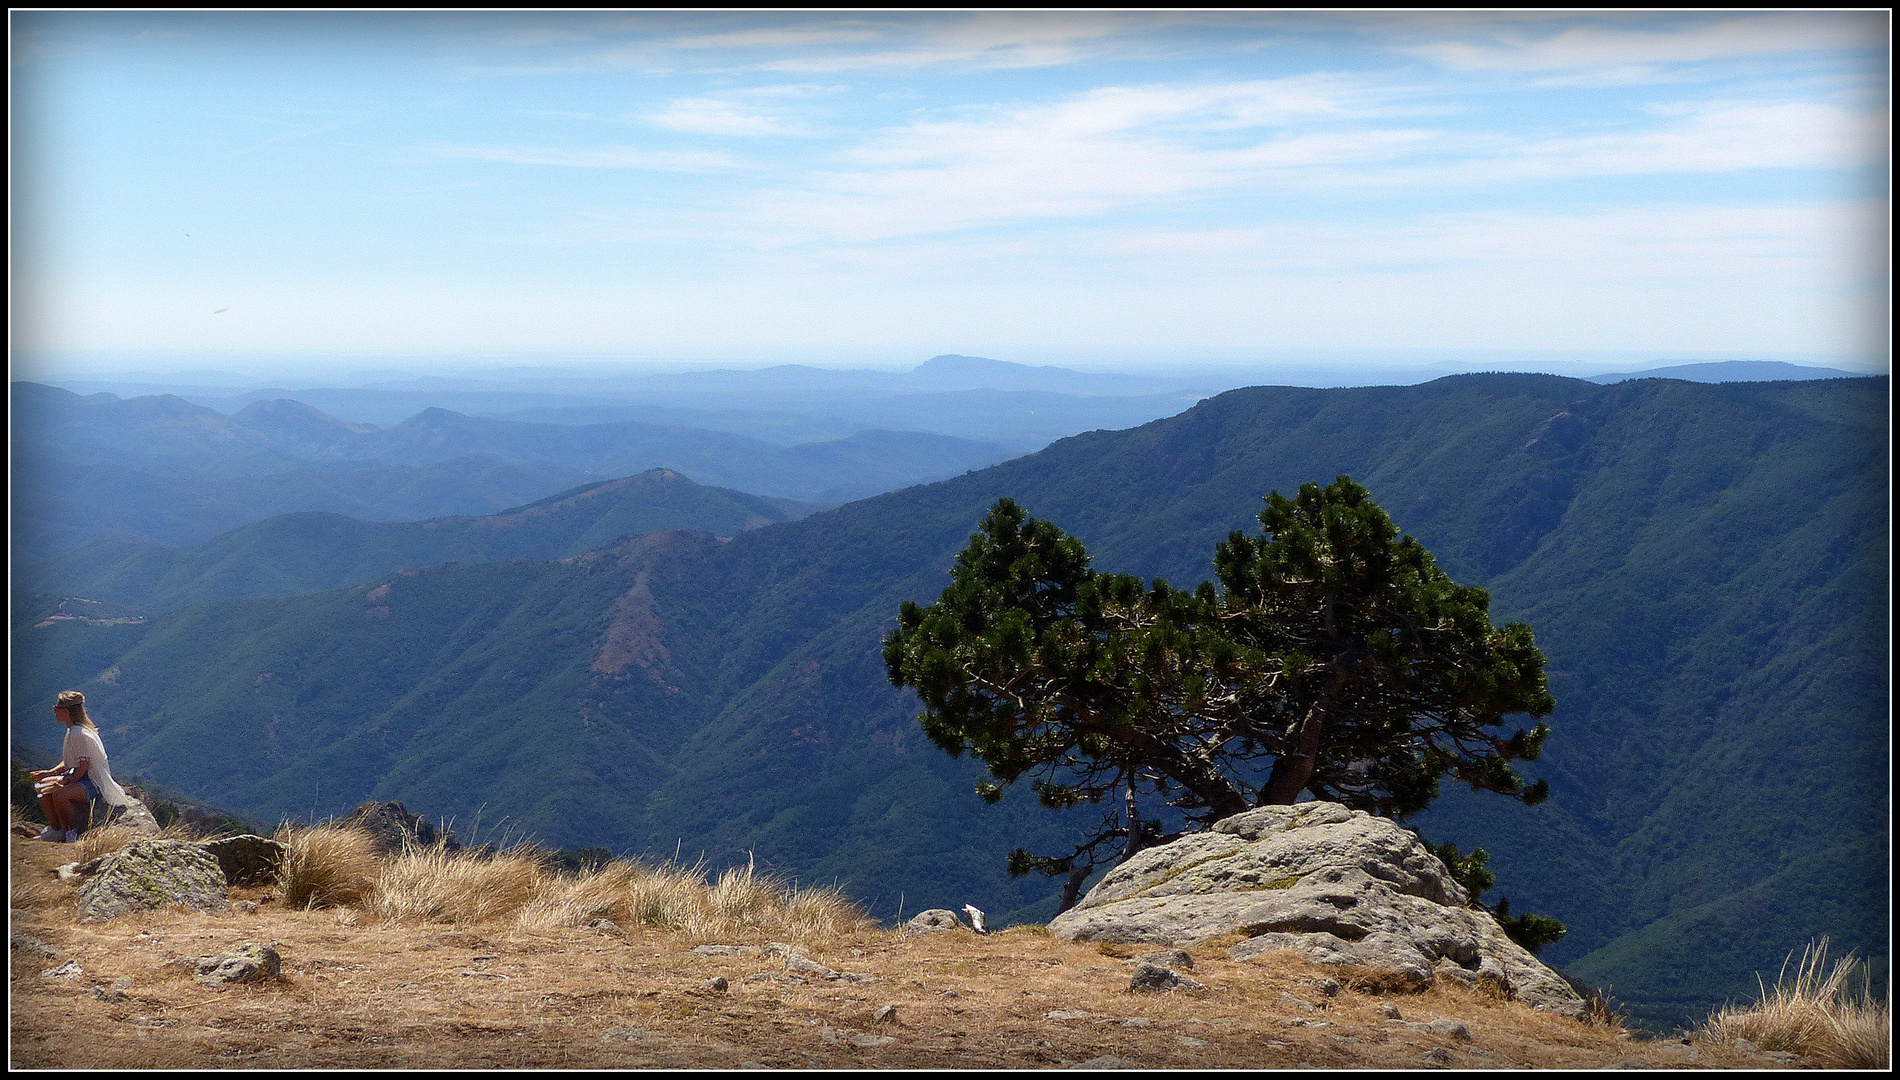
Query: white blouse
pixel 83 742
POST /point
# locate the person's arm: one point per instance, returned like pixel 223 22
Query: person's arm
pixel 79 770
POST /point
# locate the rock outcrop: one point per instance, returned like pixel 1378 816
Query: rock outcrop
pixel 394 828
pixel 147 874
pixel 1336 885
pixel 246 859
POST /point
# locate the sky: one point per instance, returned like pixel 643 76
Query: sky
pixel 1107 190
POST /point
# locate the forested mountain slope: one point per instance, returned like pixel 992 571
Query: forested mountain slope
pixel 1705 566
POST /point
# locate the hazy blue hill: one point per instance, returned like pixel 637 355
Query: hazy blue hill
pixel 299 429
pixel 1718 371
pixel 305 552
pixel 161 433
pixel 59 506
pixel 896 458
pixel 163 469
pixel 1705 566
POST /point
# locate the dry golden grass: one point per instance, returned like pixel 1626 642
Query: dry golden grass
pixel 531 986
pixel 1817 1012
pixel 435 885
pixel 326 865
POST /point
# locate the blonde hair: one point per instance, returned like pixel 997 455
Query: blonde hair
pixel 74 703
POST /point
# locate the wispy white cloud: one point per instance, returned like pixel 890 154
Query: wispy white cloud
pixel 1148 148
pixel 1627 48
pixel 710 115
pixel 988 40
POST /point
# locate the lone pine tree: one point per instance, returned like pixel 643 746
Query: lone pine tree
pixel 1332 648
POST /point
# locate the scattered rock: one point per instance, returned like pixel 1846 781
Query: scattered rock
pixel 799 964
pixel 114 997
pixel 1138 1022
pixel 867 1042
pixel 607 925
pixel 148 874
pixel 1329 987
pixel 1782 1057
pixel 1066 1014
pixel 249 962
pixel 925 922
pixel 247 859
pixel 1106 1061
pixel 886 1015
pixel 1297 1002
pixel 151 1021
pixel 29 945
pixel 1451 1029
pixel 245 907
pixel 1191 1042
pixel 728 950
pixel 717 983
pixel 1437 1055
pixel 68 970
pixel 1178 959
pixel 1336 885
pixel 622 1034
pixel 1151 979
pixel 1390 1011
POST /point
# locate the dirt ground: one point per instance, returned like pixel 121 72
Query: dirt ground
pixel 356 995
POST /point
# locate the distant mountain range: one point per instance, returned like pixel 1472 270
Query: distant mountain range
pixel 1721 371
pixel 1705 565
pixel 100 465
pixel 299 553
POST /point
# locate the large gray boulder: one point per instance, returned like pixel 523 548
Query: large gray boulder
pixel 1336 885
pixel 147 874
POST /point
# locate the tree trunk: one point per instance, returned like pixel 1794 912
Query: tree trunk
pixel 1136 840
pixel 1292 771
pixel 1072 888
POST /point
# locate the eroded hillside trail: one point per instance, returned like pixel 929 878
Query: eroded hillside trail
pixel 355 993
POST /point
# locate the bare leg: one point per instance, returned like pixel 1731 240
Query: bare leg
pixel 62 804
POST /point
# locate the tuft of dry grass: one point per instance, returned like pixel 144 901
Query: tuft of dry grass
pixel 436 885
pixel 1816 1013
pixel 741 901
pixel 572 901
pixel 326 865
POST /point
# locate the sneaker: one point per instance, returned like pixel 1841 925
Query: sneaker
pixel 50 833
pixel 72 836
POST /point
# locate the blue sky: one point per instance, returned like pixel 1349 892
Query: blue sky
pixel 1103 190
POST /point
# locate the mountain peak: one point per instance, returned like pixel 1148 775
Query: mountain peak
pixel 957 364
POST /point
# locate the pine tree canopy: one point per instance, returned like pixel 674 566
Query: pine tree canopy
pixel 1332 647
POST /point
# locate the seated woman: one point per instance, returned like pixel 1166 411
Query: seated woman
pixel 81 775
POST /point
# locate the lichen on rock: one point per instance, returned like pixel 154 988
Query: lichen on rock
pixel 1336 885
pixel 155 873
